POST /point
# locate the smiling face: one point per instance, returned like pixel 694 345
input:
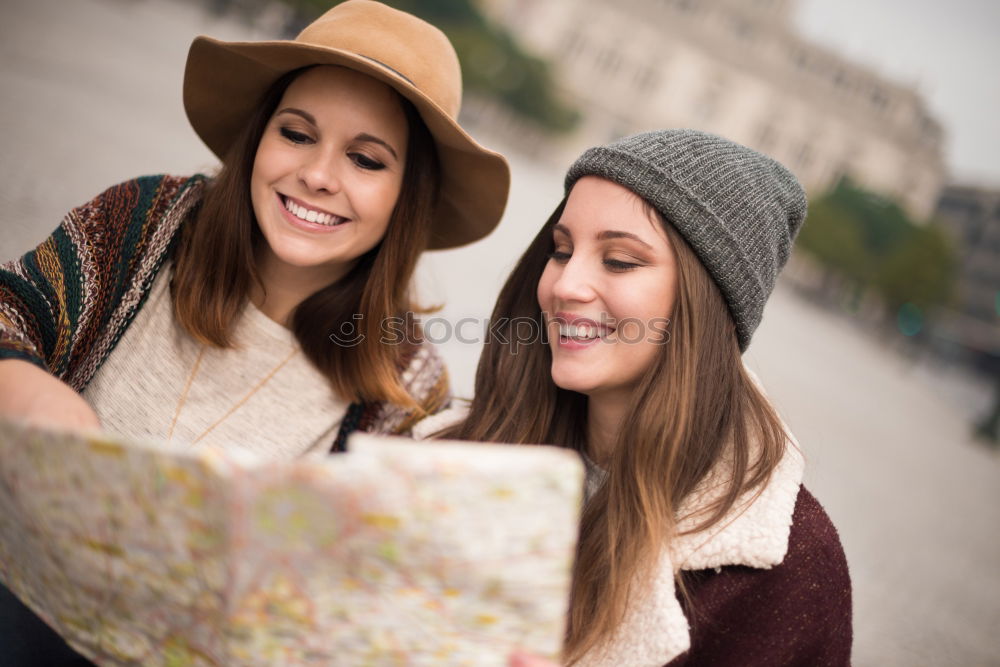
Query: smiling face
pixel 327 174
pixel 607 290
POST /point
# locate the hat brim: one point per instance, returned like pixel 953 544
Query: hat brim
pixel 224 81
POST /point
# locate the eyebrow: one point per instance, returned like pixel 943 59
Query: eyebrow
pixel 363 136
pixel 298 112
pixel 614 234
pixel 606 235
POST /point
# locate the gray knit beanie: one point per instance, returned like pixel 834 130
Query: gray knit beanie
pixel 738 209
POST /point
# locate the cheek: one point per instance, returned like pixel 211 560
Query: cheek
pixel 390 197
pixel 258 189
pixel 544 291
pixel 376 199
pixel 264 159
pixel 642 310
pixel 652 300
pixel 637 358
pixel 261 174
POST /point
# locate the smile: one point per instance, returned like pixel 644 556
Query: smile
pixel 582 331
pixel 577 332
pixel 312 215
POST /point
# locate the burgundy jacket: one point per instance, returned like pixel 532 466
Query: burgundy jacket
pixel 795 613
pixel 767 586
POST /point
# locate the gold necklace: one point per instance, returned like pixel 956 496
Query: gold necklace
pixel 190 381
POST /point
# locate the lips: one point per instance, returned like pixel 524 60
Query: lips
pixel 311 215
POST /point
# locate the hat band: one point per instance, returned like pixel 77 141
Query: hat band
pixel 391 69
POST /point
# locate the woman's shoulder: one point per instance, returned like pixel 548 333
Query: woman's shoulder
pixel 143 201
pixel 450 416
pixel 163 187
pixel 797 612
pixel 425 378
pixel 814 559
pixel 424 371
pixel 815 565
pixel 141 214
pixel 813 533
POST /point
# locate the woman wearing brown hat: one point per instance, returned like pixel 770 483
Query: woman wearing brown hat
pixel 698 544
pixel 244 310
pixel 341 162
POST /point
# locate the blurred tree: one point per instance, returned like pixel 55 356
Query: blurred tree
pixel 920 270
pixel 838 245
pixel 871 242
pixel 493 63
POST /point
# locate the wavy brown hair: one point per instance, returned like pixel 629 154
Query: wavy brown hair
pixel 215 268
pixel 695 405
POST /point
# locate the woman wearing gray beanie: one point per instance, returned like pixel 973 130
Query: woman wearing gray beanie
pixel 698 544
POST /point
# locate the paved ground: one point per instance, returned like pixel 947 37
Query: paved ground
pixel 91 96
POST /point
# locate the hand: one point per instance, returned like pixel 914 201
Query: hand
pixel 522 659
pixel 30 394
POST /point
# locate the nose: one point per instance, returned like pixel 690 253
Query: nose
pixel 574 283
pixel 319 173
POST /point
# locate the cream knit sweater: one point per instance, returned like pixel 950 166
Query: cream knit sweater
pixel 138 390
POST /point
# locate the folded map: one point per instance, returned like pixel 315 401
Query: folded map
pixel 395 553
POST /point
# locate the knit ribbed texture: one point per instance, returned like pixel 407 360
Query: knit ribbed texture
pixel 64 305
pixel 738 209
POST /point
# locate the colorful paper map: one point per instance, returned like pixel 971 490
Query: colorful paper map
pixel 396 553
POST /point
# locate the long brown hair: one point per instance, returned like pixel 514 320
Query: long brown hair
pixel 215 268
pixel 695 405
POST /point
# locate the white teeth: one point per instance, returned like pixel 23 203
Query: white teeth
pixel 309 215
pixel 583 331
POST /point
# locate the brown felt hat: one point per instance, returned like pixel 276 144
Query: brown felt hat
pixel 224 81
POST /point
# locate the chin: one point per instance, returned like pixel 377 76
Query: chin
pixel 294 253
pixel 300 262
pixel 571 382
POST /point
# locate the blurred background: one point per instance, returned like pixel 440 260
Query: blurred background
pixel 881 345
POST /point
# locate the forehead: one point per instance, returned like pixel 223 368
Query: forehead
pixel 330 90
pixel 596 204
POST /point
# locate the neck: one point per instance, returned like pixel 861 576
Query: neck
pixel 604 418
pixel 283 287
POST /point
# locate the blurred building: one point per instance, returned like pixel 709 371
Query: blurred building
pixel 734 67
pixel 972 325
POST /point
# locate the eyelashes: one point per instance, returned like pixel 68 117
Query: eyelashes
pixel 614 265
pixel 363 161
pixel 295 137
pixel 620 266
pixel 560 257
